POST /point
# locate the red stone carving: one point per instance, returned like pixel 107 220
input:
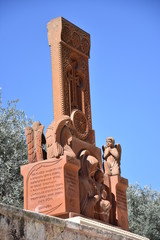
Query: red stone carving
pixel 35 139
pixel 119 214
pixel 59 138
pixel 71 180
pixel 80 124
pixel 88 191
pixel 70 74
pixel 103 206
pixel 111 156
pixel 47 183
pixel 75 40
pixel 74 36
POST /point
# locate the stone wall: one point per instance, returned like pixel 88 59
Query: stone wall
pixel 18 224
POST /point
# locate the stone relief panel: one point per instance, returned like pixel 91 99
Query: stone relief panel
pixel 93 195
pixel 75 37
pixel 102 194
pixel 80 124
pixel 76 83
pixel 35 140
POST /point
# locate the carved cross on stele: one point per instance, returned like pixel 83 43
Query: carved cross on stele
pixel 74 85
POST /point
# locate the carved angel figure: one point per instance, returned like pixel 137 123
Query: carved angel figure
pixel 111 156
pixel 35 139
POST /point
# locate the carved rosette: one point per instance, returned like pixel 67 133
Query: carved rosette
pixel 66 34
pixel 85 46
pixel 80 124
pixel 75 37
pixel 76 40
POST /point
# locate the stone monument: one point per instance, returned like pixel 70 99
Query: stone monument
pixel 67 178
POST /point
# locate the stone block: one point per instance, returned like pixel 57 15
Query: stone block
pixel 52 186
pixel 25 225
pixel 119 200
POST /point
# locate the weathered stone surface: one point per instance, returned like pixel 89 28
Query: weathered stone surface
pixel 117 187
pixel 112 157
pixel 71 181
pixel 25 225
pixel 52 186
pixel 70 47
pixel 35 138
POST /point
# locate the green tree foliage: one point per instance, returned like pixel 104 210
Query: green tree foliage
pixel 144 211
pixel 13 152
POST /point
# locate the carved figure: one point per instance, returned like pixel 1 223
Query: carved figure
pixel 111 156
pixel 66 139
pixel 35 140
pixel 59 138
pixel 103 206
pixel 88 190
pixel 54 149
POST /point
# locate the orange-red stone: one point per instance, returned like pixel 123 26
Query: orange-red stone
pixel 52 186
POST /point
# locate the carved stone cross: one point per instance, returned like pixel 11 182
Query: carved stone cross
pixel 74 84
pixel 70 48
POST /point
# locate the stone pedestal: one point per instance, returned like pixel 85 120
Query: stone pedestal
pixel 20 224
pixel 117 194
pixel 52 186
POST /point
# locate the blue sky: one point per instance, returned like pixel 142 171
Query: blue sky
pixel 124 71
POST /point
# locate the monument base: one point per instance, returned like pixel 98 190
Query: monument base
pixel 21 224
pixel 68 215
pixel 52 186
pixel 117 186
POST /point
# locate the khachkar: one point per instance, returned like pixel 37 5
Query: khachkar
pixel 67 179
pixel 70 47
